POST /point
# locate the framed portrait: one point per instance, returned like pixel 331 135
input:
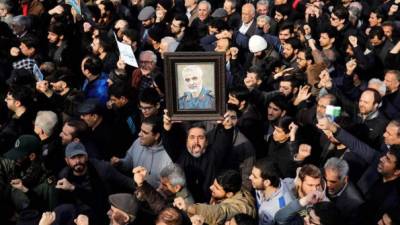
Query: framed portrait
pixel 195 85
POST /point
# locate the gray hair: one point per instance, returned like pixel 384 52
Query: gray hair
pixel 23 21
pixel 7 5
pixel 340 166
pixel 208 5
pixel 263 2
pixel 47 121
pixel 192 69
pixel 171 43
pixel 267 19
pixel 381 84
pixel 174 174
pixel 151 53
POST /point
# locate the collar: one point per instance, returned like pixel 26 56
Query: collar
pixel 370 116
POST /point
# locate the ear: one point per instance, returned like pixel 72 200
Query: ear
pixel 397 173
pixel 158 136
pixel 229 194
pixel 17 103
pixel 283 113
pixel 332 40
pixel 285 17
pixel 32 156
pixel 66 160
pixel 76 140
pixel 295 90
pixel 61 37
pixel 178 187
pixel 266 183
pixel 259 81
pixel 126 218
pixel 158 106
pixel 124 99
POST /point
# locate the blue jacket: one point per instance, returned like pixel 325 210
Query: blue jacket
pixel 97 88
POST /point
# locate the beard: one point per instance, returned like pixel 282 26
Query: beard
pixel 199 151
pixel 79 168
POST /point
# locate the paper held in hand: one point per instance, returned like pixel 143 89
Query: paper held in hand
pixel 126 53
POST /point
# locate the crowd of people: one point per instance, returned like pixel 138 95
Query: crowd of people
pixel 311 132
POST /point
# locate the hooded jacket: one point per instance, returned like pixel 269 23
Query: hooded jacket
pixel 154 158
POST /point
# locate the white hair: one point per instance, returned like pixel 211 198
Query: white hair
pixel 171 43
pixel 381 85
pixel 208 5
pixel 151 53
pixel 192 69
pixel 340 166
pixel 47 121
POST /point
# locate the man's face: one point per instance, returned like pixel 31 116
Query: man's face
pixel 333 183
pixel 146 135
pixel 166 187
pixel 117 216
pixel 285 87
pixel 203 12
pixel 251 80
pixel 284 35
pixel 391 82
pixel 288 51
pixel 90 119
pixel 321 107
pixel 375 41
pixel 117 102
pixel 247 14
pixel 25 50
pixel 310 184
pixel 196 142
pixel 95 46
pixel 52 37
pixel 391 136
pixel 3 10
pixel 148 23
pixel 324 40
pixel 222 45
pixel 262 9
pixel 11 102
pixel 388 30
pixel 387 165
pixel 176 27
pixel 148 109
pixel 366 103
pixel 301 61
pixel 279 135
pixel 66 134
pixel 217 191
pixel 373 20
pixel 335 21
pixel 256 180
pixel 273 112
pixel 278 17
pixel 146 62
pixel 77 163
pixel 193 82
pixel 228 7
pixel 189 3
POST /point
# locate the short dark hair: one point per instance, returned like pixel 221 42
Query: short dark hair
pixel 31 41
pixel 294 42
pixel 22 94
pixel 230 181
pixel 281 102
pixel 119 90
pixel 183 19
pixel 58 28
pixel 293 81
pixel 93 64
pixel 155 123
pixel 376 31
pixel 327 213
pixel 268 171
pixel 131 34
pixel 284 123
pixel 150 96
pixel 240 92
pixel 329 31
pixel 286 26
pixel 341 12
pixel 81 129
pixel 244 219
pixel 105 42
pixel 257 70
pixel 377 96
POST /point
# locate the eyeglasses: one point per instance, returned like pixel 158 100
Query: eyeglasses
pixel 9 98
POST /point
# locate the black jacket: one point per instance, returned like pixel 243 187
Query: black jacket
pixel 200 172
